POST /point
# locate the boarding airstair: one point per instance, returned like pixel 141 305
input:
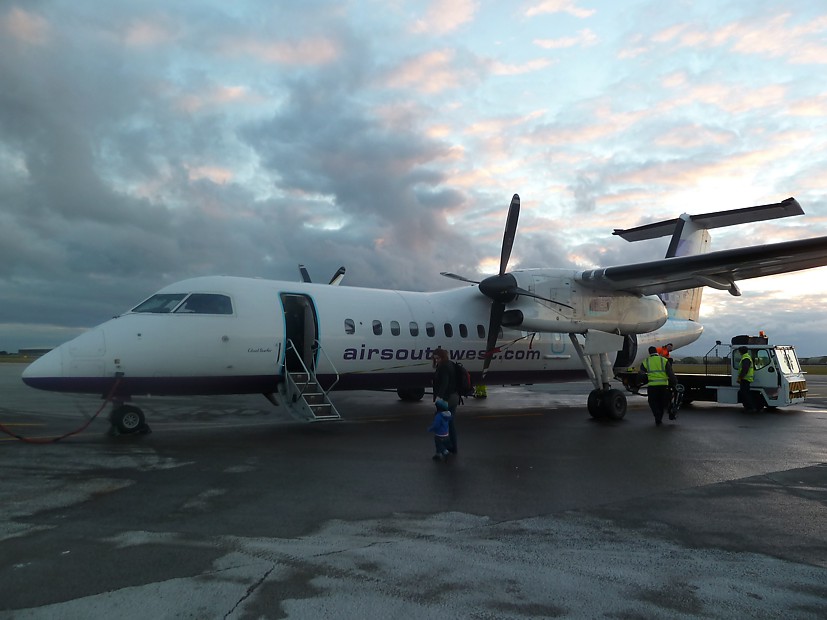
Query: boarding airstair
pixel 301 393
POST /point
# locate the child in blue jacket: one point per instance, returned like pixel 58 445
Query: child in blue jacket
pixel 439 427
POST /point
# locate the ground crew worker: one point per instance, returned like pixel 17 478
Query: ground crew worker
pixel 666 351
pixel 746 374
pixel 660 378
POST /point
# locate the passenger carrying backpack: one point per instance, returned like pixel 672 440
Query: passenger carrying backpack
pixel 465 387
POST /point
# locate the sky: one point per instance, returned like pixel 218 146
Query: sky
pixel 142 143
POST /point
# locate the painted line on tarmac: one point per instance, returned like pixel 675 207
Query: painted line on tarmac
pixel 510 415
pixel 38 438
pixel 489 416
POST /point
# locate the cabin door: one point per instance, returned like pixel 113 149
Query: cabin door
pixel 301 332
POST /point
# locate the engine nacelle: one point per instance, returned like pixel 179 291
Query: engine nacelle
pixel 619 313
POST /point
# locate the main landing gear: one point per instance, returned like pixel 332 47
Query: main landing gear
pixel 604 401
pixel 127 420
pixel 410 395
pixel 610 403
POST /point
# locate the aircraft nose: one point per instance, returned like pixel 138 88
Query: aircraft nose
pixel 41 372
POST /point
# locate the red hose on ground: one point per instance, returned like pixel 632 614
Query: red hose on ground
pixel 70 433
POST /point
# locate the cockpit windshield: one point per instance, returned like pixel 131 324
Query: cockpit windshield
pixel 160 303
pixel 195 303
pixel 206 303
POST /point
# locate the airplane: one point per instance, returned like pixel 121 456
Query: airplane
pixel 297 342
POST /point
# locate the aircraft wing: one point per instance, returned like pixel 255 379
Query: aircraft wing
pixel 719 269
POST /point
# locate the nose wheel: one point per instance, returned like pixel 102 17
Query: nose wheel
pixel 127 420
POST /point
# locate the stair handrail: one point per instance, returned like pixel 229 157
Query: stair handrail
pixel 308 374
pixel 319 347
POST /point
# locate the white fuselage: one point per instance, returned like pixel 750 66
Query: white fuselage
pixel 360 338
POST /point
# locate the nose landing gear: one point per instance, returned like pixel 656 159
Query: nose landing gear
pixel 127 420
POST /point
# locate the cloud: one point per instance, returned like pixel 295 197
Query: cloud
pixel 25 26
pixel 559 6
pixel 296 52
pixel 531 66
pixel 583 38
pixel 148 33
pixel 143 143
pixel 762 36
pixel 445 16
pixel 432 72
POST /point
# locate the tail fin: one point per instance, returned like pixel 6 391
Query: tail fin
pixel 690 235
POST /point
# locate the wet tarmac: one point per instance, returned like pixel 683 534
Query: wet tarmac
pixel 230 509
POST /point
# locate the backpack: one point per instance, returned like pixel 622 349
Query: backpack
pixel 465 386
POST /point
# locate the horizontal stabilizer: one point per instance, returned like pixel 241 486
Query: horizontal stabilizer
pixel 718 219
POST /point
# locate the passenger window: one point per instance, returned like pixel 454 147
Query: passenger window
pixel 377 328
pixel 449 330
pixel 350 326
pixel 395 328
pixel 463 330
pixel 414 328
pixel 429 329
pixel 205 303
pixel 161 303
pixel 480 331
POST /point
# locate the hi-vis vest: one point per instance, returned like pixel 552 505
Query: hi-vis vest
pixel 751 372
pixel 655 366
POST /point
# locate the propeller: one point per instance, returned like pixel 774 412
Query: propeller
pixel 337 277
pixel 501 288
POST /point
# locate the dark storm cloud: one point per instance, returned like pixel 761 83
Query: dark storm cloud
pixel 385 182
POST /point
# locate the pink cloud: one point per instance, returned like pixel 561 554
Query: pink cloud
pixel 771 38
pixel 217 96
pixel 25 26
pixel 144 33
pixel 693 136
pixel 430 73
pixel 216 174
pixel 444 16
pixel 735 99
pixel 310 51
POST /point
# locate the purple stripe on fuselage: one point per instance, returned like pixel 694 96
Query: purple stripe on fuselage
pixel 263 384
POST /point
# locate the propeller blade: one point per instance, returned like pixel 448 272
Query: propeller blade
pixel 337 277
pixel 510 232
pixel 497 310
pixel 305 274
pixel 454 276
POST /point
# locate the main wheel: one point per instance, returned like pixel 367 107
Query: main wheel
pixel 594 404
pixel 614 404
pixel 127 419
pixel 410 394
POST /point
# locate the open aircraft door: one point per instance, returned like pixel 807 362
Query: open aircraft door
pixel 301 332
